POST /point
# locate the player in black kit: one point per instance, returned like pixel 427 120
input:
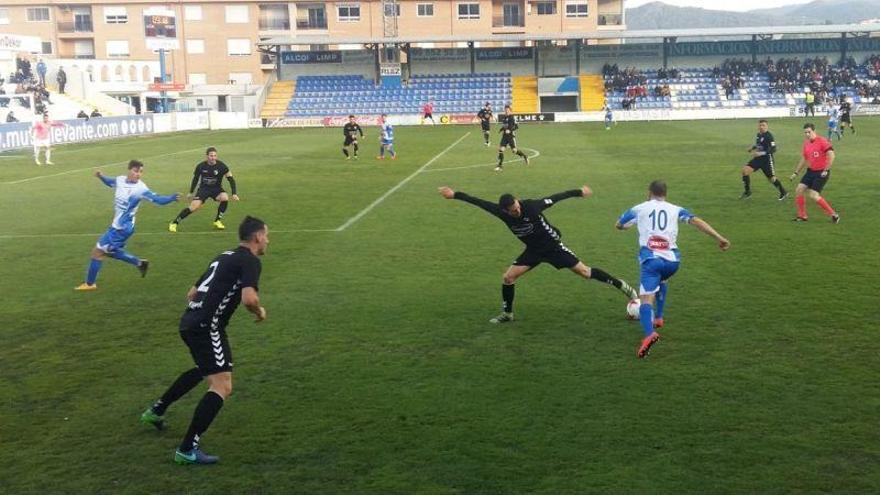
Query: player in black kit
pixel 208 175
pixel 351 131
pixel 846 115
pixel 762 159
pixel 508 138
pixel 485 116
pixel 232 277
pixel 543 241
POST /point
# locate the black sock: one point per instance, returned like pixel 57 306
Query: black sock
pixel 355 150
pixel 507 292
pixel 221 209
pixel 206 411
pixel 500 158
pixel 852 128
pixel 486 136
pixel 344 151
pixel 600 275
pixel 747 183
pixel 183 214
pixel 520 153
pixel 779 186
pixel 184 383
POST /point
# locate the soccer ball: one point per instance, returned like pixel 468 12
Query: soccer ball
pixel 632 309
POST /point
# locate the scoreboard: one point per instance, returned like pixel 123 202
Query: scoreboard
pixel 160 29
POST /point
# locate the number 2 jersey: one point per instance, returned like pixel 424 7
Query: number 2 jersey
pixel 218 290
pixel 657 222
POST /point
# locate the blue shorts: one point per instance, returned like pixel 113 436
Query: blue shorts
pixel 114 239
pixel 386 142
pixel 832 126
pixel 654 271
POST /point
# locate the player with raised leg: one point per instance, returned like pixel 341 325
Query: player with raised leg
pixel 762 159
pixel 659 258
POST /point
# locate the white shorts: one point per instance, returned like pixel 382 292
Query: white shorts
pixel 38 143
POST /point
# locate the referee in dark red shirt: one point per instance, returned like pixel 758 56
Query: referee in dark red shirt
pixel 819 154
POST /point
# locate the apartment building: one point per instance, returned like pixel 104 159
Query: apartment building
pixel 218 38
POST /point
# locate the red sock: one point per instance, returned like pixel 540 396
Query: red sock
pixel 825 206
pixel 801 206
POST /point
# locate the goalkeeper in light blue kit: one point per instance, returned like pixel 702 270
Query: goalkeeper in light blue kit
pixel 834 123
pixel 386 138
pixel 130 190
pixel 657 221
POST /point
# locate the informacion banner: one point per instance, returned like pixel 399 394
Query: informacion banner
pixel 511 53
pixel 18 135
pixel 317 57
pixel 160 29
pixel 772 47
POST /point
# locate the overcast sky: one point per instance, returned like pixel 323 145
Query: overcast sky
pixel 738 5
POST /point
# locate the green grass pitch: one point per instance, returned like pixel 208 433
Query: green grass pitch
pixel 377 371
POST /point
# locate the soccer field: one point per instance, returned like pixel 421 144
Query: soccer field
pixel 377 371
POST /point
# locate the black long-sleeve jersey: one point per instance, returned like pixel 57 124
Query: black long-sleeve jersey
pixel 218 290
pixel 485 115
pixel 508 123
pixel 349 130
pixel 532 228
pixel 765 143
pixel 845 109
pixel 206 175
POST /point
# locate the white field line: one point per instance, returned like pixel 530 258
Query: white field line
pixel 66 172
pixel 535 154
pixel 210 232
pixel 351 221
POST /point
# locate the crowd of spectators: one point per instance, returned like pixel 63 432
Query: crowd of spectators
pixel 29 79
pixel 633 83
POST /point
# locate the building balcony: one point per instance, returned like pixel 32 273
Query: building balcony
pixel 267 62
pixel 78 28
pixel 610 21
pixel 275 25
pixel 508 23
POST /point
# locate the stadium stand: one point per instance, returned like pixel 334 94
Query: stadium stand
pixel 451 93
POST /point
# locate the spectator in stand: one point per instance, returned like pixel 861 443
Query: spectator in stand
pixel 4 101
pixel 41 71
pixel 61 79
pixel 10 118
pixel 810 104
pixel 95 113
pixel 82 115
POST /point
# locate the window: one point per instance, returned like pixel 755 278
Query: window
pixel 425 10
pixel 195 47
pixel 38 14
pixel 240 78
pixel 117 48
pixel 311 16
pixel 468 11
pixel 274 17
pixel 238 46
pixel 4 16
pixel 83 49
pixel 197 78
pixel 349 12
pixel 115 15
pixel 392 10
pixel 576 8
pixel 192 12
pixel 546 8
pixel 46 48
pixel 236 14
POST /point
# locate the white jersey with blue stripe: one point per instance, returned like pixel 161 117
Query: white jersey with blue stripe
pixel 387 132
pixel 833 115
pixel 657 221
pixel 126 201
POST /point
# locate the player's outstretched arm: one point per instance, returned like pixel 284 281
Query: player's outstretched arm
pixel 707 229
pixel 159 199
pixel 489 206
pixel 106 180
pixel 251 301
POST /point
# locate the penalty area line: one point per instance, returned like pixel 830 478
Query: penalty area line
pixel 351 221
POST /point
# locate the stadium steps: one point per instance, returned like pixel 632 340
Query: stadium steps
pixel 592 89
pixel 525 94
pixel 279 96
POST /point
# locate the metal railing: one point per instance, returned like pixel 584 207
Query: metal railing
pixel 78 26
pixel 307 24
pixel 508 21
pixel 274 24
pixel 610 19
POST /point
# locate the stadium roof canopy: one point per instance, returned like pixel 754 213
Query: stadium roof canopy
pixel 591 35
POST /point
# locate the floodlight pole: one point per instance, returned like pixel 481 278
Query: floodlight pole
pixel 162 80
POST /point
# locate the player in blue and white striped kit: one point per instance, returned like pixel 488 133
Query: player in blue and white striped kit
pixel 130 190
pixel 833 123
pixel 386 138
pixel 659 258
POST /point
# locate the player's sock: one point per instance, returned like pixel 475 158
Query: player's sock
pixel 94 268
pixel 206 411
pixel 221 209
pixel 344 151
pixel 779 186
pixel 646 317
pixel 391 151
pixel 801 202
pixel 507 293
pixel 825 206
pixel 48 155
pixel 747 183
pixel 661 300
pixel 520 153
pixel 486 136
pixel 123 255
pixel 852 128
pixel 183 214
pixel 355 150
pixel 382 151
pixel 600 275
pixel 500 158
pixel 184 383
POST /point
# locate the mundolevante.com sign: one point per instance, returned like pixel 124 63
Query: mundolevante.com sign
pixel 18 135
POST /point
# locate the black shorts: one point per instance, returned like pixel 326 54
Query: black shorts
pixel 429 116
pixel 486 126
pixel 349 140
pixel 508 140
pixel 205 193
pixel 845 119
pixel 560 257
pixel 814 180
pixel 209 349
pixel 764 164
